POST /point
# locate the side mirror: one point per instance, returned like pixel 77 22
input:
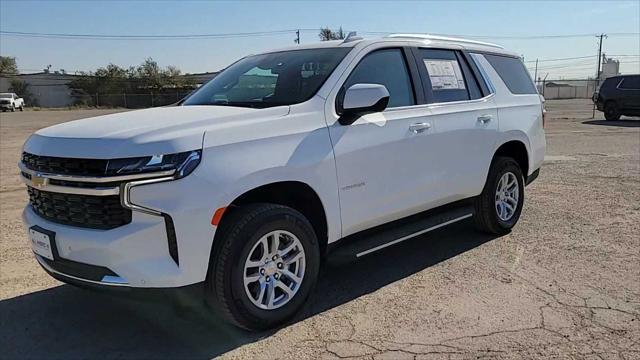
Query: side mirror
pixel 360 99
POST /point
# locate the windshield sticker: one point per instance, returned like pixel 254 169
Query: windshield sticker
pixel 444 74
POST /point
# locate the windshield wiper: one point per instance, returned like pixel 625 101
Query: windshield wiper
pixel 249 104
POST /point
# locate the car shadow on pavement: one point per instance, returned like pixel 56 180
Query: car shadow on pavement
pixel 66 322
pixel 628 122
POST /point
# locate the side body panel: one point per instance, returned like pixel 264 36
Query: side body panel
pixel 520 117
pixel 237 159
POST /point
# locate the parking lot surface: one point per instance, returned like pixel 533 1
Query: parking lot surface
pixel 564 284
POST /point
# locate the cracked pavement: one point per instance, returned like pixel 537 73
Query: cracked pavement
pixel 564 284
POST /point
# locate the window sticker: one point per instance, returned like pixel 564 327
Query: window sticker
pixel 444 74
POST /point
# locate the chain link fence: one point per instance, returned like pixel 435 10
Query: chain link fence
pixel 127 100
pixel 567 89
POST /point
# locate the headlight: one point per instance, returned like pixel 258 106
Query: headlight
pixel 183 163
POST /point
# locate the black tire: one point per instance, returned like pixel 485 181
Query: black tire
pixel 13 108
pixel 486 215
pixel 21 107
pixel 611 112
pixel 240 231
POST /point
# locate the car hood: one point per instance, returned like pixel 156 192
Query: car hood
pixel 161 130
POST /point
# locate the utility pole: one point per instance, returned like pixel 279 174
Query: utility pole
pixel 535 76
pixel 597 81
pixel 297 40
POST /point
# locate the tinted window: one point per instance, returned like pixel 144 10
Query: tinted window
pixel 450 77
pixel 281 78
pixel 385 67
pixel 513 74
pixel 631 83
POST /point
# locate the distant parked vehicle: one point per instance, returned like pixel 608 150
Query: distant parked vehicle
pixel 11 101
pixel 619 95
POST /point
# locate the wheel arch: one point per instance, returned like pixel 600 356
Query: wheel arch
pixel 294 194
pixel 516 150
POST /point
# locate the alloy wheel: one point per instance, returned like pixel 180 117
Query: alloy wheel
pixel 507 196
pixel 274 270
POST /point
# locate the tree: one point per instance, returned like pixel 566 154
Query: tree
pixel 110 83
pixel 327 34
pixel 8 65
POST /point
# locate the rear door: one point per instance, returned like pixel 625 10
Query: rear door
pixel 467 122
pixel 629 92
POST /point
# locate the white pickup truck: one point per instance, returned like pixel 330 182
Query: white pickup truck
pixel 338 149
pixel 11 101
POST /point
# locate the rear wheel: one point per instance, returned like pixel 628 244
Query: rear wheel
pixel 13 108
pixel 611 111
pixel 498 208
pixel 21 107
pixel 263 266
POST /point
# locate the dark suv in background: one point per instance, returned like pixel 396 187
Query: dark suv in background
pixel 619 95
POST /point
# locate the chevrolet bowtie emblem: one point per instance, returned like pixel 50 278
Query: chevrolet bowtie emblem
pixel 38 181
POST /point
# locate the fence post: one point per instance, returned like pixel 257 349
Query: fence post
pixel 177 96
pixel 152 99
pixel 97 100
pixel 124 97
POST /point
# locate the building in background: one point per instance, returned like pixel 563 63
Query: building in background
pixel 50 89
pixel 610 67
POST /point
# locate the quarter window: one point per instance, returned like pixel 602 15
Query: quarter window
pixel 513 74
pixel 385 67
pixel 450 77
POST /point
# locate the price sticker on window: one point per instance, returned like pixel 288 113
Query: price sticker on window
pixel 444 74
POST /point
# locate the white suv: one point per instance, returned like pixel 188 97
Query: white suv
pixel 241 189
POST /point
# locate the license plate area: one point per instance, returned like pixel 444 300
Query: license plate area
pixel 43 242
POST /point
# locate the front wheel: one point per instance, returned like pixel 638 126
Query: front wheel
pixel 21 107
pixel 263 267
pixel 498 208
pixel 13 108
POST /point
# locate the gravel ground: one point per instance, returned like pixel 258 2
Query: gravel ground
pixel 564 284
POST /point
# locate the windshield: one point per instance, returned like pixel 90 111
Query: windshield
pixel 5 96
pixel 267 80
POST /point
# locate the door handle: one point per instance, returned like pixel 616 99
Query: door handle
pixel 419 127
pixel 485 118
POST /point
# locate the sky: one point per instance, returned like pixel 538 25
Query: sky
pixel 493 21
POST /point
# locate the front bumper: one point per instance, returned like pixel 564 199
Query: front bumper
pixel 139 254
pixel 184 295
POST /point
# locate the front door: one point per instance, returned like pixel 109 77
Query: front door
pixel 384 160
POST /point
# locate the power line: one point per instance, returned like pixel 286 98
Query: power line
pixel 266 33
pixel 520 37
pixel 144 37
pixel 577 65
pixel 562 59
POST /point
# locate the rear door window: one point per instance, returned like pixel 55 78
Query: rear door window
pixel 630 83
pixel 449 75
pixel 513 73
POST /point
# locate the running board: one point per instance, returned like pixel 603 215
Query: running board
pixel 380 237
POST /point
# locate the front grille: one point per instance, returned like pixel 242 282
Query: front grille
pixel 65 166
pixel 96 212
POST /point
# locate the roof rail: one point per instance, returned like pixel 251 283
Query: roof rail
pixel 444 38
